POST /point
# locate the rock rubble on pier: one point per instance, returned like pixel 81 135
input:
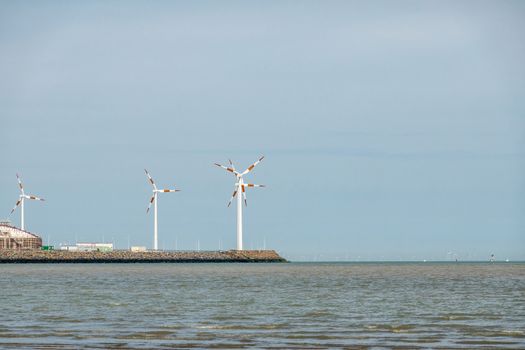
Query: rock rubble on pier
pixel 124 256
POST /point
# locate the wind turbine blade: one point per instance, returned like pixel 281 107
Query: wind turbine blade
pixel 233 196
pixel 231 164
pixel 252 166
pixel 244 195
pixel 20 183
pixel 150 179
pixel 150 202
pixel 16 205
pixel 28 196
pixel 228 169
pixel 253 185
pixel 169 190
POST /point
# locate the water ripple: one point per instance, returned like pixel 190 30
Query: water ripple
pixel 239 306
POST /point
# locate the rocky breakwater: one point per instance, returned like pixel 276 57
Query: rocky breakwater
pixel 124 256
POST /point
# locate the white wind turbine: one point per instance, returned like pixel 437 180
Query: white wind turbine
pixel 240 186
pixel 154 200
pixel 21 199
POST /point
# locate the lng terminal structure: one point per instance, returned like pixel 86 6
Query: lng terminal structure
pixel 12 238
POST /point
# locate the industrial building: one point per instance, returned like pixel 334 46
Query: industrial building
pixel 88 247
pixel 12 238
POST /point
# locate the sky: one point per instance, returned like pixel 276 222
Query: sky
pixel 392 130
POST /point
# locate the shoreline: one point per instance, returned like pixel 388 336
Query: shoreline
pixel 124 256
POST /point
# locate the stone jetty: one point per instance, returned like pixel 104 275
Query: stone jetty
pixel 125 256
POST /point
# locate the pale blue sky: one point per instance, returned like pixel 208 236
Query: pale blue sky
pixel 391 129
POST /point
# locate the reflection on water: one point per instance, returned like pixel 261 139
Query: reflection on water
pixel 277 306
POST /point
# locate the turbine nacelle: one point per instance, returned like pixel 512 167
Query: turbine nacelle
pixel 32 197
pixel 249 185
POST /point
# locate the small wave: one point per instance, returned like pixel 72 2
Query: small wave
pixel 454 317
pixel 210 327
pixel 312 336
pixel 513 333
pixel 153 335
pixel 464 317
pixel 55 334
pixel 244 327
pixel 402 328
pixel 400 331
pixel 503 333
pixel 318 314
pixel 396 328
pixel 116 304
pixel 485 342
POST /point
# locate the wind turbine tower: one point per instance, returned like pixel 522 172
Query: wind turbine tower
pixel 240 187
pixel 154 201
pixel 20 201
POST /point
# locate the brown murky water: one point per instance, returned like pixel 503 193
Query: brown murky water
pixel 297 305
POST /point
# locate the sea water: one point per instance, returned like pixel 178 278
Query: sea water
pixel 278 306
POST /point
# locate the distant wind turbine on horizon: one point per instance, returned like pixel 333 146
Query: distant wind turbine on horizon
pixel 154 201
pixel 240 186
pixel 23 196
